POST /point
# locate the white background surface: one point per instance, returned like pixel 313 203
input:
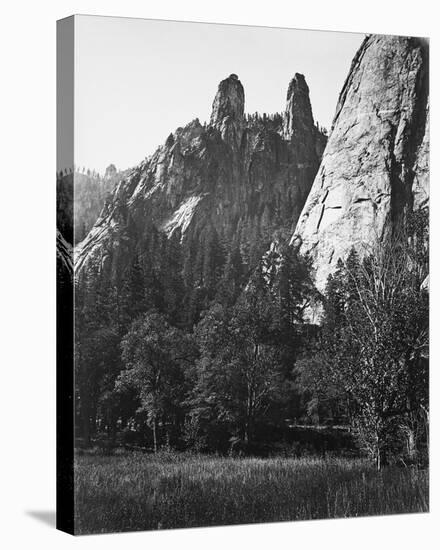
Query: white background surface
pixel 27 284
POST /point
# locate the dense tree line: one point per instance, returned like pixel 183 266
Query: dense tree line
pixel 205 345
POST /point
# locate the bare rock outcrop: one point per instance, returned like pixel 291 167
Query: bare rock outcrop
pixel 375 166
pixel 228 110
pixel 298 118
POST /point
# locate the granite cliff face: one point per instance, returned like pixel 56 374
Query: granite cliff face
pixel 228 111
pixel 237 175
pixel 375 167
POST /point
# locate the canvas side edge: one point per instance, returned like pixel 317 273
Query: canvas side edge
pixel 65 288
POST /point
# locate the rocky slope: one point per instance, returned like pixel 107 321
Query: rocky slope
pixel 64 256
pixel 91 190
pixel 375 167
pixel 238 176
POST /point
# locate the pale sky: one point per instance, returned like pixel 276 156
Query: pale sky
pixel 137 80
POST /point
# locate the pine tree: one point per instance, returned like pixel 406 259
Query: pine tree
pixel 133 301
pixel 232 280
pixel 213 260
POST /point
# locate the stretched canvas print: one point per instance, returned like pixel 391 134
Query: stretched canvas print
pixel 242 260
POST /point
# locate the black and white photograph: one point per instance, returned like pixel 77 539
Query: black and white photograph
pixel 243 275
pixel 218 293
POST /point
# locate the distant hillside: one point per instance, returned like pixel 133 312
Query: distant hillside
pixel 91 191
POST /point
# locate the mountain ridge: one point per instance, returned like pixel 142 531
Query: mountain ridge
pixel 237 175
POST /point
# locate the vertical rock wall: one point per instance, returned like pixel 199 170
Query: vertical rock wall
pixel 375 165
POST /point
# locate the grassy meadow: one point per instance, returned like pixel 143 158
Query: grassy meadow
pixel 136 491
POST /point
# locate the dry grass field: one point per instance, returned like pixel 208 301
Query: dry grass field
pixel 137 491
